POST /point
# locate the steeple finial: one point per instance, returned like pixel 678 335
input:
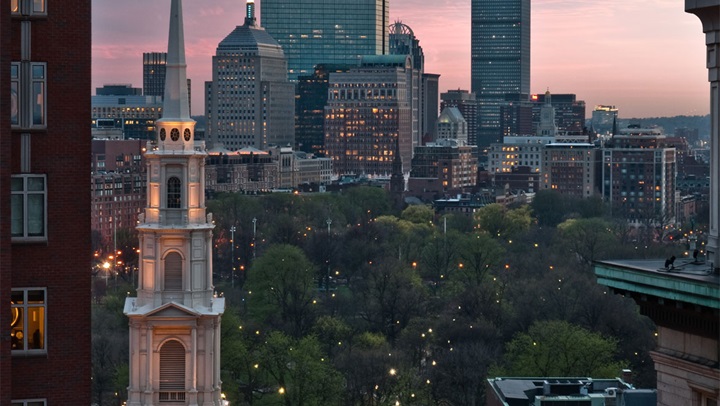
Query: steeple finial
pixel 175 102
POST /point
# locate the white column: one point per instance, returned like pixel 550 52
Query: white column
pixel 149 389
pixel 708 11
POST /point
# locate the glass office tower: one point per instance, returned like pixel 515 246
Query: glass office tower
pixel 500 52
pixel 312 32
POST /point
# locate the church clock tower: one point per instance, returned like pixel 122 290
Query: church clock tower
pixel 175 318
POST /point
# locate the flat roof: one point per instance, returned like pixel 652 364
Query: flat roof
pixel 687 281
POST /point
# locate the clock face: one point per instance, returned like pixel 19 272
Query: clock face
pixel 162 134
pixel 175 134
pixel 187 134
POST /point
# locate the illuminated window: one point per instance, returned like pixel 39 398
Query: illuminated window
pixel 28 107
pixel 27 321
pixel 28 7
pixel 28 205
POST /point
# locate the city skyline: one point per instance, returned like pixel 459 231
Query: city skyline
pixel 641 56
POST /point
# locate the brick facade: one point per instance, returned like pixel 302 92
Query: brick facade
pixel 60 151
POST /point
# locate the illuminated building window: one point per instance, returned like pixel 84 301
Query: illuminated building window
pixel 28 7
pixel 28 108
pixel 28 321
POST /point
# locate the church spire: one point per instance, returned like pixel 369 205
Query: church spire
pixel 175 103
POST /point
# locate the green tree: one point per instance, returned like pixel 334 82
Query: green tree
pixel 300 372
pixel 589 239
pixel 549 208
pixel 558 348
pixel 418 214
pixel 503 223
pixel 282 282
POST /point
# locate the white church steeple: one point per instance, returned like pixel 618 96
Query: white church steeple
pixel 175 318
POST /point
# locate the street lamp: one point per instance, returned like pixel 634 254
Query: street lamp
pixel 327 276
pixel 232 254
pixel 254 220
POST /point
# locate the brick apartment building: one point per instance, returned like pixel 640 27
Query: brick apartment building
pixel 44 207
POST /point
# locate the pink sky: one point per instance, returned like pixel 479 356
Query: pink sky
pixel 647 57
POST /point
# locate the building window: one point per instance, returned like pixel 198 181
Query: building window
pixel 28 91
pixel 172 372
pixel 27 321
pixel 28 205
pixel 28 7
pixel 33 402
pixel 173 193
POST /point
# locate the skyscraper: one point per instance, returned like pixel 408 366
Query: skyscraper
pixel 368 116
pixel 467 104
pixel 500 59
pixel 312 32
pixel 154 64
pixel 45 244
pixel 175 318
pixel 250 102
pixel 311 98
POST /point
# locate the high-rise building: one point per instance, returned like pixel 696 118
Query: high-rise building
pixel 452 127
pixel 154 64
pixel 638 176
pixel 571 169
pixel 368 116
pixel 314 32
pixel 430 106
pixel 311 97
pixel 175 318
pixel 403 42
pixel 604 120
pixel 250 101
pixel 467 104
pixel 500 59
pixel 45 246
pixel 569 112
pixel 454 166
pixel 125 109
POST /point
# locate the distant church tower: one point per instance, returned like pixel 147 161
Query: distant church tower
pixel 175 318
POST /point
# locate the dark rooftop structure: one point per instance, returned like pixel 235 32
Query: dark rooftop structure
pixel 566 391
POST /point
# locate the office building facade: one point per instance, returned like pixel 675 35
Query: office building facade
pixel 310 99
pixel 250 101
pixel 124 108
pixel 638 176
pixel 368 116
pixel 500 59
pixel 313 32
pixel 45 249
pixel 154 64
pixel 467 104
pixel 571 169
